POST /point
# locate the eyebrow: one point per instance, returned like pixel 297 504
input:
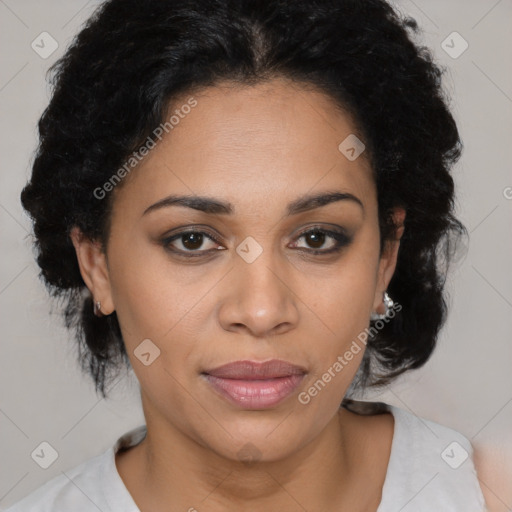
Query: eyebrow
pixel 214 206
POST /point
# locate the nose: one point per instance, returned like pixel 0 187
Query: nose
pixel 259 298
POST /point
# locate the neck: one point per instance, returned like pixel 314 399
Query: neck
pixel 174 470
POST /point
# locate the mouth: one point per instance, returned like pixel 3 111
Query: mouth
pixel 255 385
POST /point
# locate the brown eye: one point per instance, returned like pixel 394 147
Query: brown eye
pixel 320 241
pixel 190 243
pixel 315 239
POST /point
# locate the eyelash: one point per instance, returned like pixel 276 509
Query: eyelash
pixel 342 240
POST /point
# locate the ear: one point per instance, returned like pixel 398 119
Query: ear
pixel 388 260
pixel 93 267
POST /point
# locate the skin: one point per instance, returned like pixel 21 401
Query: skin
pixel 258 148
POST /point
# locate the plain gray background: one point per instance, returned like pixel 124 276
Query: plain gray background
pixel 467 384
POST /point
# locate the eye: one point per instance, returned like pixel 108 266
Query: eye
pixel 188 243
pixel 317 238
pixel 191 243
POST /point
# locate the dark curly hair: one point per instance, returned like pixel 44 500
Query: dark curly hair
pixel 115 83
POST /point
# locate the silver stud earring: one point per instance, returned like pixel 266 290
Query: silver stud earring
pixel 97 308
pixel 388 304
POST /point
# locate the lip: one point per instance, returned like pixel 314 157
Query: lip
pixel 253 384
pixel 256 370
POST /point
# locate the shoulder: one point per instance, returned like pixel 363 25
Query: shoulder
pixel 91 486
pixel 430 468
pixel 78 489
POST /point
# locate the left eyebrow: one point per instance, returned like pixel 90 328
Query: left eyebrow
pixel 215 206
pixel 312 201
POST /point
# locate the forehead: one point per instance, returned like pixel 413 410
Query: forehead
pixel 273 140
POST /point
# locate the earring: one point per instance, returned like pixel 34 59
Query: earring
pixel 97 308
pixel 388 304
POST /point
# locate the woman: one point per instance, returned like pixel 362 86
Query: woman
pixel 250 204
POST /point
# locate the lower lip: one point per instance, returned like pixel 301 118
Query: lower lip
pixel 255 394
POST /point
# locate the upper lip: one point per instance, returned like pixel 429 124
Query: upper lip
pixel 254 370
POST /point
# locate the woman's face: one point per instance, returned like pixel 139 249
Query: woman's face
pixel 247 285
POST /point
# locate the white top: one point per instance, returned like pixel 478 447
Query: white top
pixel 430 469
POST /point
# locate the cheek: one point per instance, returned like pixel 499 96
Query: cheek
pixel 342 297
pixel 341 302
pixel 153 302
pixel 152 296
pixel 165 303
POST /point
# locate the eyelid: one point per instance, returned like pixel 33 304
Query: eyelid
pixel 322 227
pixel 195 230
